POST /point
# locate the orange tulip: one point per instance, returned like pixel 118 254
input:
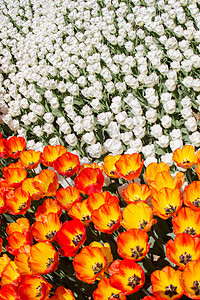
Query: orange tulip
pixel 132 244
pixel 67 164
pixel 79 210
pixel 167 202
pixel 187 220
pixel 197 169
pixel 183 249
pixel 107 292
pixel 95 200
pixel 17 240
pixel 89 181
pixel 185 157
pixel 4 261
pixel 108 166
pixel 190 280
pixel 43 258
pixel 154 168
pixel 84 166
pixel 21 225
pixel 17 201
pixel 67 197
pixel 129 166
pixel 71 236
pixel 14 176
pixel 3 153
pixel 3 208
pixel 89 264
pixel 165 179
pixel 129 277
pixel 62 293
pixel 166 284
pixel 47 182
pixel 30 159
pixel 46 230
pixel 49 205
pixel 9 292
pixel 143 216
pixel 107 217
pixel 27 186
pixel 51 153
pixel 191 195
pixel 135 192
pixel 14 146
pixel 10 274
pixel 21 261
pixel 34 287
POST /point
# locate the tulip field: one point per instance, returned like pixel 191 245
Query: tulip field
pixel 99 149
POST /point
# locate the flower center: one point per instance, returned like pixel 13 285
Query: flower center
pixel 39 289
pixel 50 261
pixel 97 268
pixel 111 223
pixel 114 296
pixel 22 206
pixel 137 252
pixel 133 281
pixel 69 170
pixel 170 290
pixel 185 258
pixel 196 287
pixel 50 235
pixel 136 198
pixel 142 224
pixel 77 239
pixel 190 230
pixel 170 209
pixel 197 202
pixel 86 218
pixel 31 163
pixel 186 161
pixel 131 171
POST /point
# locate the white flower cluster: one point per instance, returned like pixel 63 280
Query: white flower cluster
pixel 101 76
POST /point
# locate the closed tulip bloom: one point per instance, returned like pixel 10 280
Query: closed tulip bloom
pixel 187 221
pixel 129 166
pixel 138 215
pixel 166 284
pixel 166 203
pixel 95 200
pixel 62 293
pixel 49 205
pixel 79 210
pixel 132 244
pixel 89 181
pixel 185 157
pixel 89 264
pixel 154 168
pixel 66 197
pixel 46 182
pixel 9 292
pixel 165 179
pixel 51 153
pixel 27 186
pixel 17 201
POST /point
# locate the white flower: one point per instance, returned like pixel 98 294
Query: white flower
pixel 136 145
pixel 121 117
pixel 170 84
pixel 54 141
pixel 176 134
pixel 71 139
pixel 186 113
pixel 104 118
pixel 38 131
pixel 166 121
pixel 24 103
pixel 186 102
pixel 113 146
pixel 177 143
pixel 151 115
pixel 48 117
pixel 170 106
pixel 148 150
pixel 116 105
pixel 156 131
pixel 165 97
pixel 126 137
pixel 32 117
pixel 65 128
pixel 89 138
pixel 48 128
pixel 139 132
pixel 113 130
pixel 14 125
pixel 188 81
pixel 30 144
pixel 110 87
pixel 88 123
pixel 163 141
pixel 149 160
pixel 95 150
pixel 86 110
pixel 167 158
pixel 191 124
pixel 129 123
pixel 196 85
pixel 95 103
pixel 195 138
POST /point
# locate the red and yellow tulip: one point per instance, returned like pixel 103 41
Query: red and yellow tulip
pixel 46 182
pixel 95 200
pixel 185 157
pixel 62 293
pixel 129 166
pixel 108 166
pixel 154 168
pixel 51 153
pixel 190 280
pixel 67 164
pixel 79 210
pixel 191 195
pixel 14 146
pixel 107 292
pixel 17 201
pixel 30 159
pixel 136 192
pixel 66 197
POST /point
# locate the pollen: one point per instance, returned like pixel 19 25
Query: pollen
pixel 39 291
pixel 22 206
pixel 185 258
pixel 86 218
pixel 196 202
pixel 97 268
pixel 142 224
pixel 196 287
pixel 50 235
pixel 190 230
pixel 77 239
pixel 116 296
pixel 133 281
pixel 170 290
pixel 137 252
pixel 186 161
pixel 50 261
pixel 111 223
pixel 170 209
